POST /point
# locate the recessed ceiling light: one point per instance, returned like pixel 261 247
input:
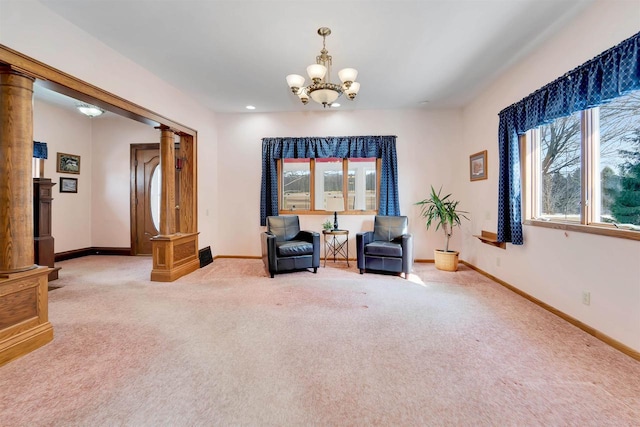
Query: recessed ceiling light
pixel 250 107
pixel 335 104
pixel 425 102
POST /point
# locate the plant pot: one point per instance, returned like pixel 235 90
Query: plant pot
pixel 446 261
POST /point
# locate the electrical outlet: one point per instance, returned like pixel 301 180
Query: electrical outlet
pixel 586 297
pixel 497 261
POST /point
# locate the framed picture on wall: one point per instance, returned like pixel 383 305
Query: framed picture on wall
pixel 478 166
pixel 68 163
pixel 68 185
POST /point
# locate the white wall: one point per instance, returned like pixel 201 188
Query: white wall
pixel 112 137
pixel 32 29
pixel 552 265
pixel 426 143
pixel 67 132
pixel 99 214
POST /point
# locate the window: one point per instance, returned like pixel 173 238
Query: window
pixel 306 185
pixel 585 168
pixel 296 185
pixel 362 184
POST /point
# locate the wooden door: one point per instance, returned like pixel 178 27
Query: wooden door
pixel 145 163
pixel 145 196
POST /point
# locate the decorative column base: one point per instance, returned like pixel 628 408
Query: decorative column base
pixel 174 256
pixel 24 313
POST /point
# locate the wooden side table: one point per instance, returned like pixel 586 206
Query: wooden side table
pixel 334 245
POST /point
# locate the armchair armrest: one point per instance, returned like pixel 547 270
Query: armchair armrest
pixel 407 253
pixel 307 236
pixel 269 251
pixel 362 239
pixel 313 238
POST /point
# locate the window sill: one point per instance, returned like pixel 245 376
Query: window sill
pixel 603 230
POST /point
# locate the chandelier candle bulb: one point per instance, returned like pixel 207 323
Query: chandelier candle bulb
pixel 353 90
pixel 295 82
pixel 302 94
pixel 316 72
pixel 348 76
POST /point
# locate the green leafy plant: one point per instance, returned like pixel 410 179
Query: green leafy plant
pixel 327 225
pixel 442 211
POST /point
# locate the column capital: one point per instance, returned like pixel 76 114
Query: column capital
pixel 167 128
pixel 12 69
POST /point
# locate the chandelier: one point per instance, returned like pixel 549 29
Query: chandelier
pixel 321 89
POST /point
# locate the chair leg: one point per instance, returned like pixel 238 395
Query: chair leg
pixel 362 271
pixel 271 274
pixel 315 270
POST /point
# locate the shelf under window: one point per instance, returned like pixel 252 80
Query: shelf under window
pixel 490 239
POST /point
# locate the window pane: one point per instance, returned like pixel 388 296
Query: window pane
pixel 362 184
pixel 560 169
pixel 328 181
pixel 619 166
pixel 296 176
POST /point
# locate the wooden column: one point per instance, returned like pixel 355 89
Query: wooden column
pixel 24 323
pixel 16 149
pixel 168 185
pixel 188 177
pixel 174 254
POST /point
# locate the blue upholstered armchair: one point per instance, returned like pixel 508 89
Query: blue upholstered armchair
pixel 388 247
pixel 286 248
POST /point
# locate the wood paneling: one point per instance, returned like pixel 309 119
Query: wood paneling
pixel 18 306
pixel 24 313
pixel 169 265
pixel 188 175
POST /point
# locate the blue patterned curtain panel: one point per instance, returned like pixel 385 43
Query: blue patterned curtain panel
pixel 382 147
pixel 609 75
pixel 40 150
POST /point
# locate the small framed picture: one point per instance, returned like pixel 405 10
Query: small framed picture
pixel 478 166
pixel 68 185
pixel 68 163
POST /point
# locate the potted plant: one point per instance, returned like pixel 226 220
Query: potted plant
pixel 327 225
pixel 444 212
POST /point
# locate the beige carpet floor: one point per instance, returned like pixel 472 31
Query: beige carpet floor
pixel 229 346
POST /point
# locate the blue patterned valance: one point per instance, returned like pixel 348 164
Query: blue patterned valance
pixel 383 147
pixel 609 75
pixel 40 150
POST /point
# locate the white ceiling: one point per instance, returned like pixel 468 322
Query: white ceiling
pixel 229 54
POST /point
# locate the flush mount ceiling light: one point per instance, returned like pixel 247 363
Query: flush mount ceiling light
pixel 322 90
pixel 89 110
